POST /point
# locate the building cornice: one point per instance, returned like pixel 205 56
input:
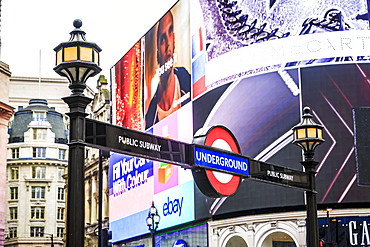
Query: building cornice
pixel 27 162
pixel 4 68
pixel 6 111
pixel 37 79
pixel 286 216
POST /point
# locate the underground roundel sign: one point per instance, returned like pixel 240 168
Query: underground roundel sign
pixel 212 183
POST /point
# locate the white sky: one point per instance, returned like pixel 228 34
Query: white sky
pixel 28 26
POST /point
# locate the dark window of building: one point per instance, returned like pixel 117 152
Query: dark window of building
pixel 39 152
pixel 15 153
pixel 39 116
pixel 38 171
pixel 61 194
pixel 38 192
pixel 62 154
pixel 12 232
pixel 39 134
pixel 14 193
pixel 37 231
pixel 60 232
pixel 37 213
pixel 13 213
pixel 14 173
pixel 60 214
pixel 61 172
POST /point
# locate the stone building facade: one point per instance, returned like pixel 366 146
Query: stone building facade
pixel 6 111
pixel 100 111
pixel 22 91
pixel 36 162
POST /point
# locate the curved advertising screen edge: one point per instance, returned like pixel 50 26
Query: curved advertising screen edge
pixel 252 68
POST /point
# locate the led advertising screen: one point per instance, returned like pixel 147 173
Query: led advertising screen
pixel 243 38
pixel 186 237
pixel 153 79
pixel 262 62
pixel 167 66
pixel 135 183
pixel 345 231
pixel 151 84
pixel 127 89
pixel 251 67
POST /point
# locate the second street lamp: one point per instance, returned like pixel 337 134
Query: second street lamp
pixel 152 221
pixel 308 135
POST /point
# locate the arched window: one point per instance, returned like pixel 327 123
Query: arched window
pixel 278 239
pixel 236 241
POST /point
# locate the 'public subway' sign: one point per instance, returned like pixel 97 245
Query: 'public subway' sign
pixel 139 143
pixel 279 175
pixel 221 161
pixel 131 142
pixel 148 146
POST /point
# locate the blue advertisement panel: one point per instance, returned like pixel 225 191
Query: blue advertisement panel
pixel 176 205
pixel 130 226
pixel 129 173
pixel 186 237
pixel 135 183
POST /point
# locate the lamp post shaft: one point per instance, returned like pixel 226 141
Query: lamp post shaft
pixel 153 240
pixel 100 195
pixel 152 221
pixel 312 221
pixel 75 223
pixel 328 237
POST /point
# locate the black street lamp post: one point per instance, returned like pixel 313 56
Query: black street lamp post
pixel 51 239
pixel 308 135
pixel 152 222
pixel 77 60
pixel 328 232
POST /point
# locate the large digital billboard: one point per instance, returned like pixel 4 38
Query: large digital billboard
pixel 151 85
pixel 266 60
pixel 251 66
pixel 135 183
pixel 153 79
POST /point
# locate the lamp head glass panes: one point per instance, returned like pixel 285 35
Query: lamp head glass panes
pixel 307 134
pixel 77 59
pixel 153 218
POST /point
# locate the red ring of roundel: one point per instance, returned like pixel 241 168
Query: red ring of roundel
pixel 229 188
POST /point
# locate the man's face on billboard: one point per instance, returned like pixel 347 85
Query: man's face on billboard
pixel 165 39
